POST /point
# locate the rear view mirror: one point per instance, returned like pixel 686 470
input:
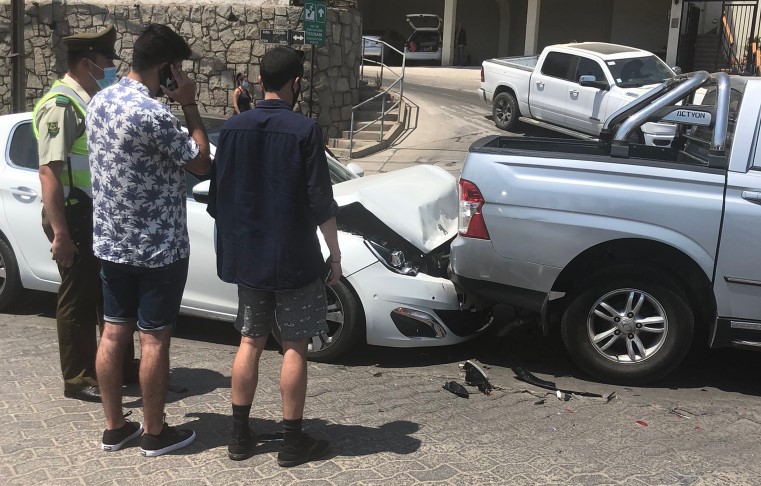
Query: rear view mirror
pixel 677 70
pixel 201 192
pixel 355 169
pixel 589 81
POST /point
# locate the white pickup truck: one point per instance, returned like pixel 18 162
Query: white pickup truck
pixel 573 88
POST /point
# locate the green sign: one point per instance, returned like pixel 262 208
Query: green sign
pixel 315 21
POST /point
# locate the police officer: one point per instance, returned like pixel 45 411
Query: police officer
pixel 59 124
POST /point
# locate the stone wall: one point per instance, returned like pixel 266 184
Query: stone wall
pixel 224 37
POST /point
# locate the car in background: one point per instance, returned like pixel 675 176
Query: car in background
pixel 425 42
pixel 376 51
pixel 394 231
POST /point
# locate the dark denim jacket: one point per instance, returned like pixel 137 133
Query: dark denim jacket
pixel 270 189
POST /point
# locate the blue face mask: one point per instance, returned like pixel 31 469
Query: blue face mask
pixel 109 76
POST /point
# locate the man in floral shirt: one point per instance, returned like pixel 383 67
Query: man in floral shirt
pixel 138 158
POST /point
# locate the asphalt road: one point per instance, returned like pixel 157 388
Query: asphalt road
pixel 445 117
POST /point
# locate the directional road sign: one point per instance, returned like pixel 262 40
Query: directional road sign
pixel 315 21
pixel 274 36
pixel 296 37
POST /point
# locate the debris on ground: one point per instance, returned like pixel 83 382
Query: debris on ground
pixel 378 374
pixel 611 397
pixel 456 388
pixel 642 423
pixel 562 396
pixel 476 376
pixel 540 402
pixel 679 413
pixel 525 375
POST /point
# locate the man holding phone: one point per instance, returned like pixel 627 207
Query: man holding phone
pixel 138 158
pixel 269 194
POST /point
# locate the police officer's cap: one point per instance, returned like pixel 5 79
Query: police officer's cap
pixel 102 41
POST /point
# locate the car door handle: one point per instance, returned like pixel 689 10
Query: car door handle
pixel 540 85
pixel 574 92
pixel 752 196
pixel 23 191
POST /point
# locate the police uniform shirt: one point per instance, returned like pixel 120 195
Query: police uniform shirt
pixel 60 124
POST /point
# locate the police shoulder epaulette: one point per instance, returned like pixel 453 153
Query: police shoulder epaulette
pixel 62 100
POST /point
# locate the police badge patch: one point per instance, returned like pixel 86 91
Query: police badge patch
pixel 53 128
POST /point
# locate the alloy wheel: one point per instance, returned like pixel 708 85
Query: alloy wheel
pixel 627 326
pixel 335 320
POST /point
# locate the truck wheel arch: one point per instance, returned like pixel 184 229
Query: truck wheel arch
pixel 503 89
pixel 685 275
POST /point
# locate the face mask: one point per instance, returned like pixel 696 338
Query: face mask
pixel 246 84
pixel 296 94
pixel 109 76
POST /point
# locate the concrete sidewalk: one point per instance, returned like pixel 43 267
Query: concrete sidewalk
pixel 387 417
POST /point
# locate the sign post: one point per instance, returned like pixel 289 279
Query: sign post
pixel 315 21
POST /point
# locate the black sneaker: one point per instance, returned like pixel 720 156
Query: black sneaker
pixel 113 440
pixel 301 450
pixel 242 446
pixel 170 439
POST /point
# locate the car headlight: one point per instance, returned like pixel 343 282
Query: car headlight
pixel 394 260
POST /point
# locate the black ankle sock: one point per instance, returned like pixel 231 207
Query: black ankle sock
pixel 291 429
pixel 240 419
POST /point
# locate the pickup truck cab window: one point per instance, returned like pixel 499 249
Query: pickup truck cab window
pixel 559 65
pixel 639 71
pixel 23 148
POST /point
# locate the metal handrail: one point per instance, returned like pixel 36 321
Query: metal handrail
pixel 399 81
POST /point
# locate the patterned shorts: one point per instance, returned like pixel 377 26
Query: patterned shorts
pixel 299 314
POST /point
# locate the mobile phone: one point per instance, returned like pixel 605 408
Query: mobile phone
pixel 166 78
pixel 329 271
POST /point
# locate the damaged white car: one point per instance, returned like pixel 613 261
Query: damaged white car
pixel 395 232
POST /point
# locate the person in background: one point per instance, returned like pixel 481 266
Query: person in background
pixel 242 98
pixel 460 41
pixel 59 124
pixel 271 167
pixel 138 158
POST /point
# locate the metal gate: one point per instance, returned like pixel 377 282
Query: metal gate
pixel 733 46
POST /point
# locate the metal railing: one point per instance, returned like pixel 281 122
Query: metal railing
pixel 399 81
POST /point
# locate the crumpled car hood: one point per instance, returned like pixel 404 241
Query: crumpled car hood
pixel 419 203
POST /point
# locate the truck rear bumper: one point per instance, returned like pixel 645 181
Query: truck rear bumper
pixel 482 95
pixel 500 293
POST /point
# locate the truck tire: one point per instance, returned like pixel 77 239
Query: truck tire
pixel 505 111
pixel 10 280
pixel 346 321
pixel 628 330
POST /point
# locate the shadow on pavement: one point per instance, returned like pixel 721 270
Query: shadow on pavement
pixel 213 431
pixel 183 383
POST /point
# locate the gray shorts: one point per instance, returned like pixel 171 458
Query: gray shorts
pixel 300 314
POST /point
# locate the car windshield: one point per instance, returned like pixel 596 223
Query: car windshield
pixel 639 71
pixel 338 172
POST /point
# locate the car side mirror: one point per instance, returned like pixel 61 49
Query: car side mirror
pixel 677 70
pixel 589 81
pixel 355 169
pixel 201 192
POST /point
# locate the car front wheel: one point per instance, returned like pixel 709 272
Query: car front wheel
pixel 10 280
pixel 505 111
pixel 345 319
pixel 628 330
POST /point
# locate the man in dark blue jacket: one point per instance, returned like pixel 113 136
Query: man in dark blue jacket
pixel 270 192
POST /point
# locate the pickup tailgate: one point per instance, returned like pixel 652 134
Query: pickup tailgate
pixel 546 208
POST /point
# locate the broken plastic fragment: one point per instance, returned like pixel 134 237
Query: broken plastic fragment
pixel 456 388
pixel 378 374
pixel 476 376
pixel 562 396
pixel 642 423
pixel 524 375
pixel 611 397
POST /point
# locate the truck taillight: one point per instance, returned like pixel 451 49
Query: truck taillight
pixel 482 74
pixel 471 223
